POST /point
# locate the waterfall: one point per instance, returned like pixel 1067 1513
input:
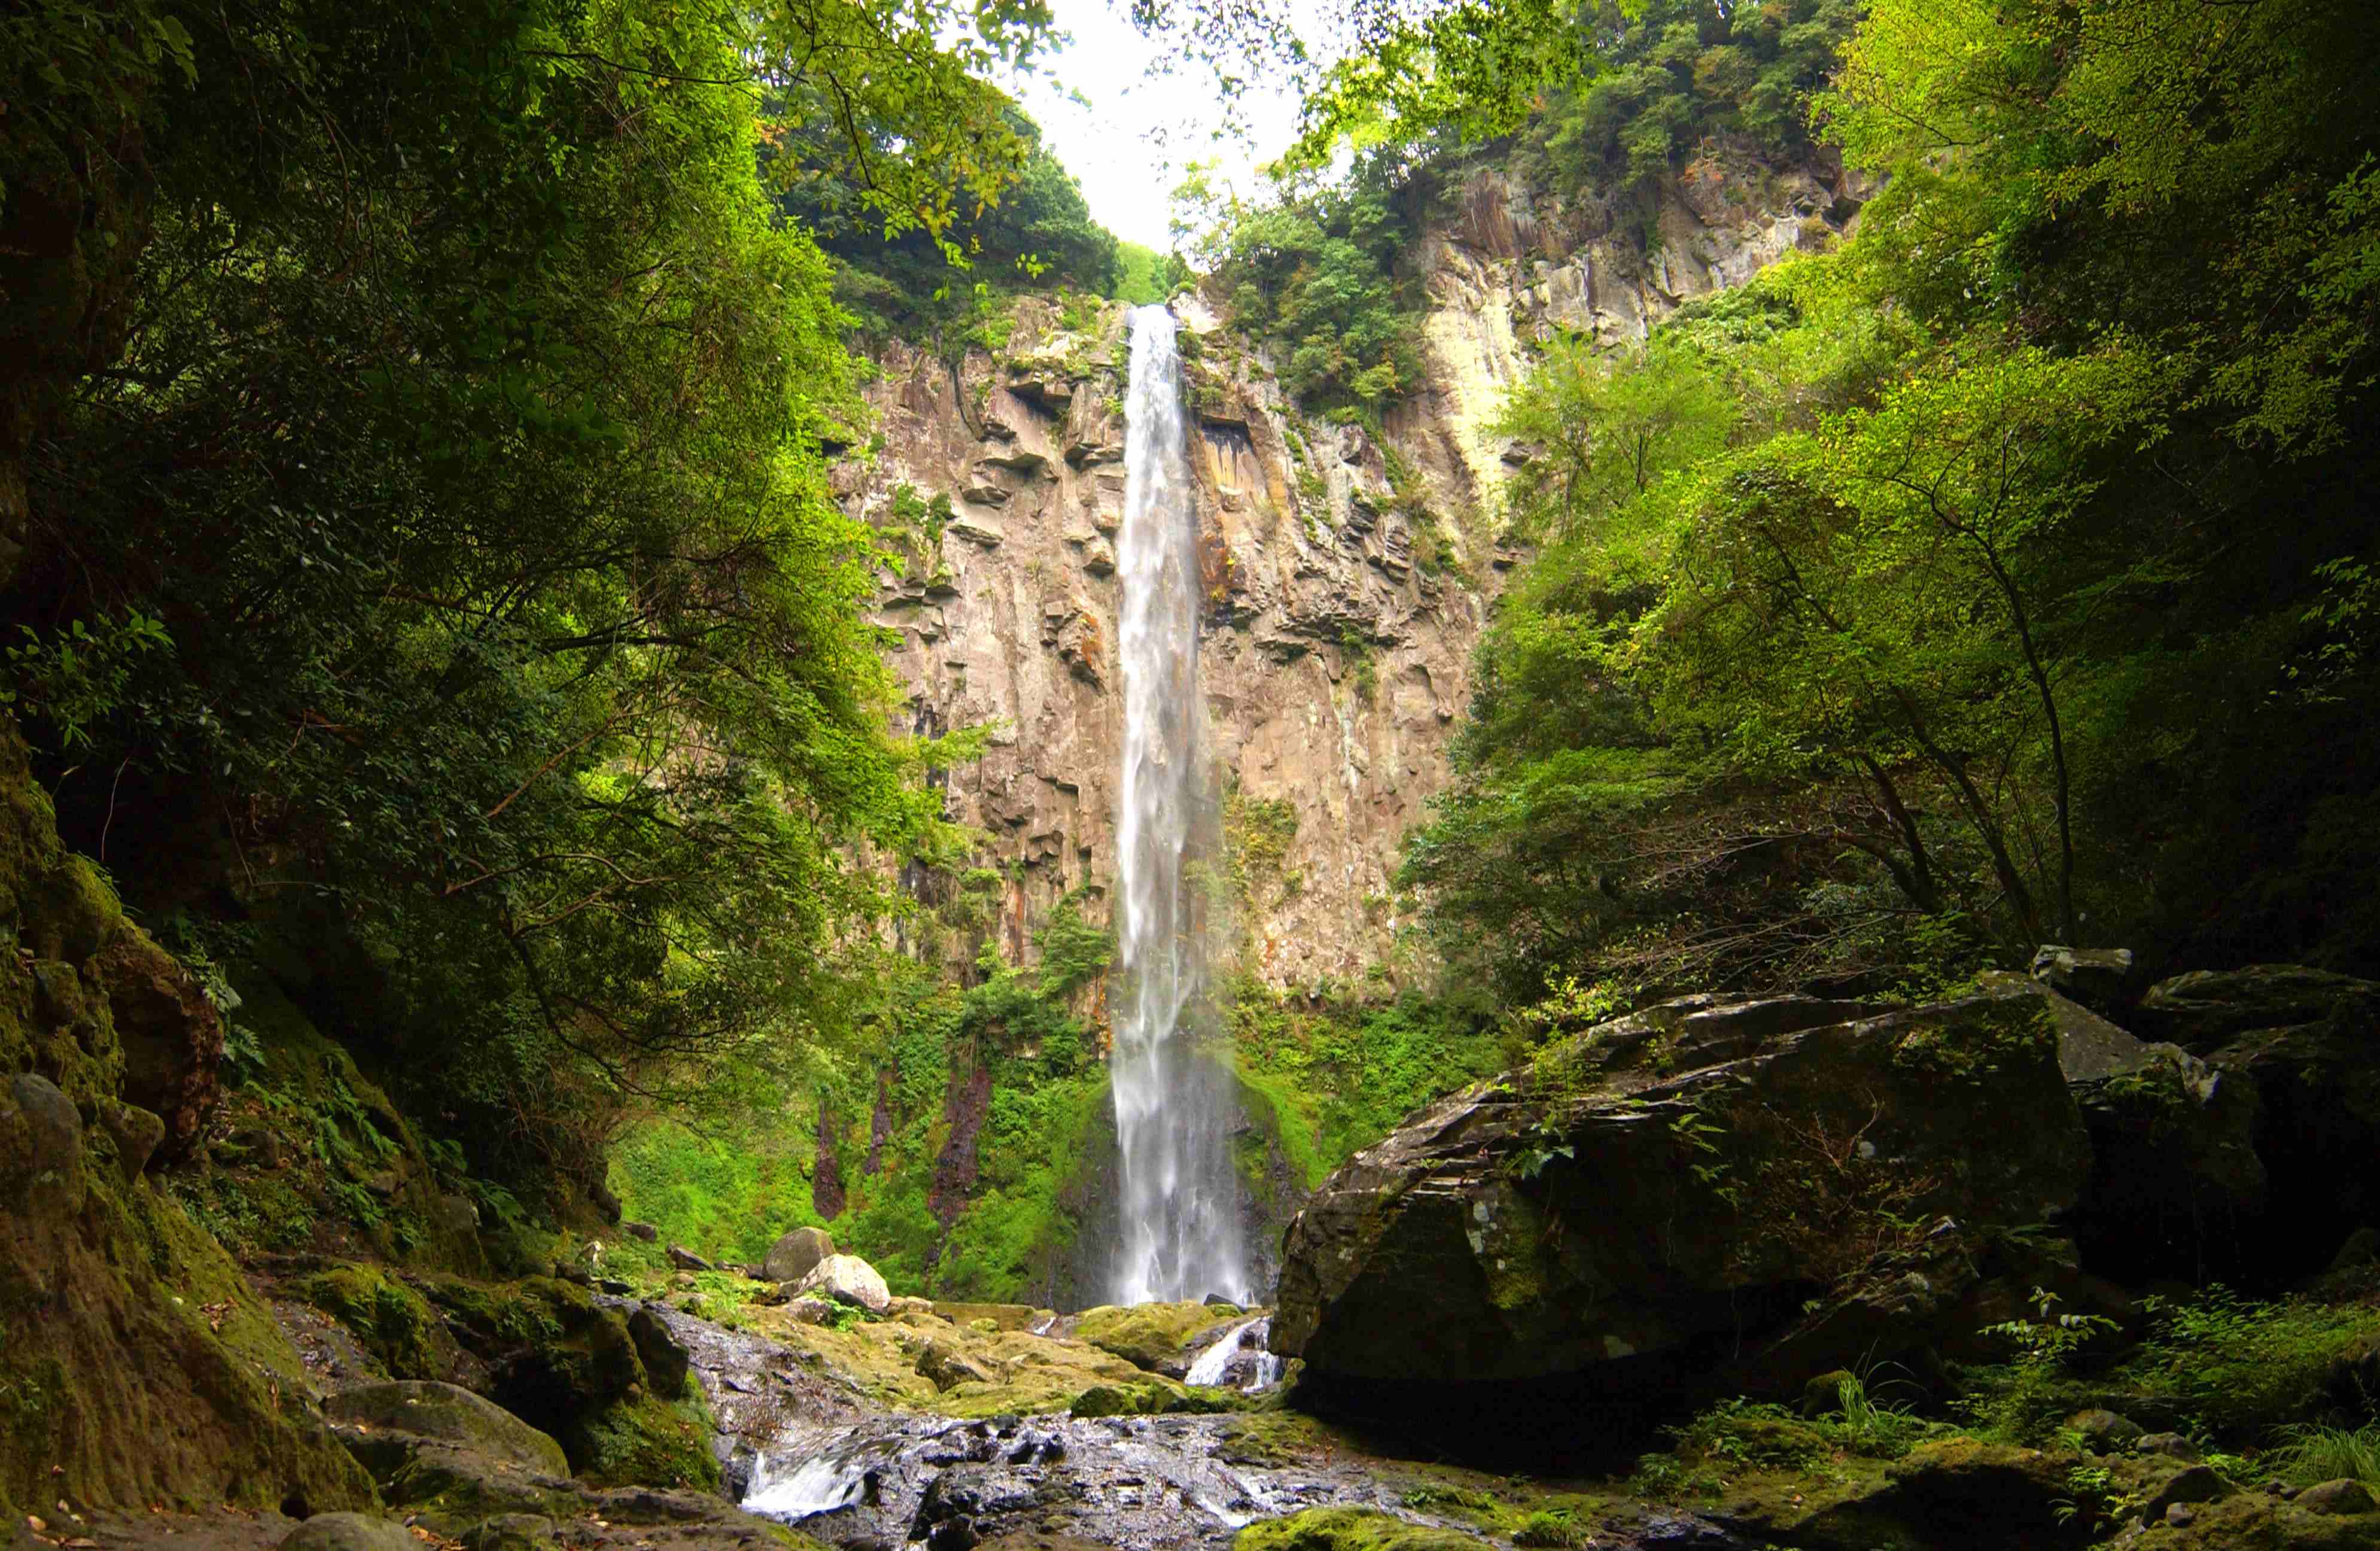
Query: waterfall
pixel 1175 1108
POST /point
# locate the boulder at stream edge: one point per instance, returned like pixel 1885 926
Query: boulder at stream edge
pixel 1664 1199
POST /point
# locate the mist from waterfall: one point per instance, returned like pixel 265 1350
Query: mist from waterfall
pixel 1180 1230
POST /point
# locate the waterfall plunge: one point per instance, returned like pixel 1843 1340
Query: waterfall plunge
pixel 1175 1109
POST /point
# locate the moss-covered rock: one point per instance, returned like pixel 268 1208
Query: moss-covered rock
pixel 512 1532
pixel 1350 1529
pixel 1151 1336
pixel 307 1125
pixel 646 1442
pixel 349 1532
pixel 445 1413
pixel 389 1319
pixel 1151 1399
pixel 2254 1521
pixel 452 1488
pixel 139 1366
pixel 612 1386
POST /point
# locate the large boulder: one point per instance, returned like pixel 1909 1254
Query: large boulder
pixel 2316 1074
pixel 1661 1196
pixel 2206 1009
pixel 2099 978
pixel 383 1422
pixel 796 1254
pixel 846 1279
pixel 2176 1186
pixel 349 1532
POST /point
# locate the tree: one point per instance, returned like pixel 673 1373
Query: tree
pixel 464 440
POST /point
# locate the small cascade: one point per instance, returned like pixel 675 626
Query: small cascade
pixel 1243 1344
pixel 804 1488
pixel 1175 1108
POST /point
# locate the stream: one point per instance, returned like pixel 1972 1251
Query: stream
pixel 809 1449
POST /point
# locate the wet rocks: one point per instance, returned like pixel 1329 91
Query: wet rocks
pixel 1671 1184
pixel 686 1260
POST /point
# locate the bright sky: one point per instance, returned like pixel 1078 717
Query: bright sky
pixel 1126 177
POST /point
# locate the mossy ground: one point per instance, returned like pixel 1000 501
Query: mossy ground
pixel 647 1442
pixel 1150 1334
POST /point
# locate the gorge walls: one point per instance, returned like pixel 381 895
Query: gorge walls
pixel 1346 574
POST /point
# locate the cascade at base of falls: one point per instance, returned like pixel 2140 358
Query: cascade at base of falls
pixel 1180 1227
pixel 1242 1348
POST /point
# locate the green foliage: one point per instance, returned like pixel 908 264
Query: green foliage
pixel 1258 833
pixel 941 283
pixel 1740 1435
pixel 729 1190
pixel 1314 270
pixel 1863 632
pixel 1552 1527
pixel 1144 276
pixel 2240 1368
pixel 77 680
pixel 2309 1453
pixel 1340 1075
pixel 466 532
pixel 1681 76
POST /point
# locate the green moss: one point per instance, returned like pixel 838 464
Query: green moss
pixel 647 1442
pixel 729 1194
pixel 1338 1075
pixel 503 1314
pixel 392 1321
pixel 1153 1399
pixel 1148 1335
pixel 1348 1529
pixel 246 1214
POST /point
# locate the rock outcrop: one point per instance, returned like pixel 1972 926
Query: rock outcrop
pixel 2176 1181
pixel 2308 1042
pixel 138 1365
pixel 1659 1198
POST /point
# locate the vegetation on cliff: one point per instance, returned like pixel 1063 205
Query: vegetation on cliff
pixel 1995 579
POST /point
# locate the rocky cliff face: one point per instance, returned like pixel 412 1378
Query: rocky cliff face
pixel 1347 575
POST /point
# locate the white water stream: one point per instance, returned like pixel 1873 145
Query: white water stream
pixel 1244 1339
pixel 1175 1109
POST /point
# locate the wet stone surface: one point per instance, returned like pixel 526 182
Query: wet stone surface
pixel 1126 1482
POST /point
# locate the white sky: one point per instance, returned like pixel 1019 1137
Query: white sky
pixel 1127 180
